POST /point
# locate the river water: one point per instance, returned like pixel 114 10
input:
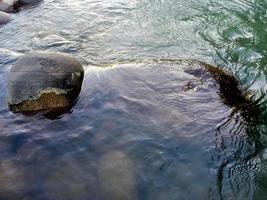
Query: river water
pixel 131 135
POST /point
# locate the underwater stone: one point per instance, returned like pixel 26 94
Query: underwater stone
pixel 12 179
pixel 44 82
pixel 228 86
pixel 190 79
pixel 116 176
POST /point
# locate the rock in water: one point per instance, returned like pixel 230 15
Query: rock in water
pixel 44 82
pixel 4 18
pixel 8 5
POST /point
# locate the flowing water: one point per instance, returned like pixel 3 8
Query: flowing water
pixel 133 134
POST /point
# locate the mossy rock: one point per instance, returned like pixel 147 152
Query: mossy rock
pixel 44 82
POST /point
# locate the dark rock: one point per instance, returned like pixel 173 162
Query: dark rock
pixel 15 5
pixel 44 82
pixel 4 18
pixel 8 5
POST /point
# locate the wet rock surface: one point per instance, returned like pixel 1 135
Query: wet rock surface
pixel 44 81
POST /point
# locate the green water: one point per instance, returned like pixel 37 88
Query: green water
pixel 172 149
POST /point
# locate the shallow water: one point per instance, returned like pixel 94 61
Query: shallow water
pixel 133 134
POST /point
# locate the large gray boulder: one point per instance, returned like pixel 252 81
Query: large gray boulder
pixel 8 5
pixel 4 18
pixel 44 82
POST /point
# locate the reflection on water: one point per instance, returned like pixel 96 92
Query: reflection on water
pixel 138 131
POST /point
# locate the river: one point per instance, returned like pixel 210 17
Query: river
pixel 161 148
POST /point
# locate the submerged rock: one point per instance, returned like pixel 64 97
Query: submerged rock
pixel 4 18
pixel 193 79
pixel 227 85
pixel 11 179
pixel 116 176
pixel 44 82
pixel 8 5
pixel 72 177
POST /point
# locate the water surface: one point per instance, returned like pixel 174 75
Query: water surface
pixel 133 134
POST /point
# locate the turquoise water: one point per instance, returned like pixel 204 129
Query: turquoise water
pixel 162 143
